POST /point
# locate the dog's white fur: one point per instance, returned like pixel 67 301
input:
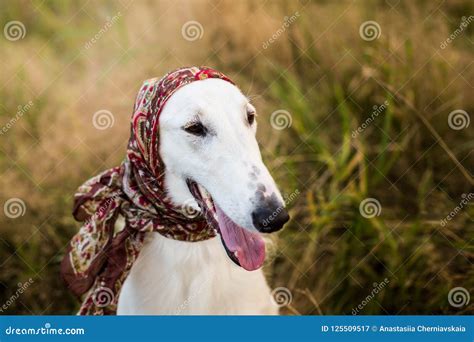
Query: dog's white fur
pixel 175 277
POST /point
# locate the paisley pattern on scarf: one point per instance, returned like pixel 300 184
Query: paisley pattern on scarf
pixel 99 257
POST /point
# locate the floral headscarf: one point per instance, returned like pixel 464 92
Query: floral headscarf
pixel 99 257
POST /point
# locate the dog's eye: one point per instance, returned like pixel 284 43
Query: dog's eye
pixel 195 128
pixel 250 117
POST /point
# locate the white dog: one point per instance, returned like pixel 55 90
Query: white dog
pixel 207 133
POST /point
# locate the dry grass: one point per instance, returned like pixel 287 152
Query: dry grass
pixel 319 70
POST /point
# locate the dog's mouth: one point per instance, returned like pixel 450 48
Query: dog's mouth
pixel 245 248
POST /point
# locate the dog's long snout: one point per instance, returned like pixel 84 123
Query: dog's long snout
pixel 270 217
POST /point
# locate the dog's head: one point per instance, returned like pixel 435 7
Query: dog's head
pixel 213 162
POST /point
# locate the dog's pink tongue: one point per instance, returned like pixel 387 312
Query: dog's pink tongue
pixel 248 247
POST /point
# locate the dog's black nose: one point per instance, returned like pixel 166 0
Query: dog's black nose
pixel 269 219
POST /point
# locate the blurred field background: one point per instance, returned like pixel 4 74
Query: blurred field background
pixel 319 70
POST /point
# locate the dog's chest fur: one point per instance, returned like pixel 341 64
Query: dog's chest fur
pixel 173 277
